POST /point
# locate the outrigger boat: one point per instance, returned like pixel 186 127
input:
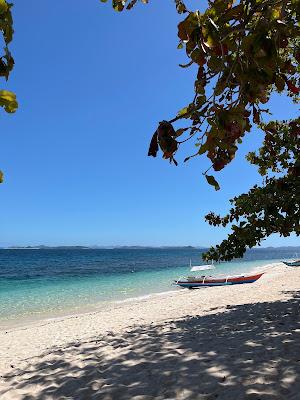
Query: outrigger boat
pixel 194 281
pixel 205 280
pixel 292 263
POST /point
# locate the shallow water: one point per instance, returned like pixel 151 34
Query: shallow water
pixel 35 283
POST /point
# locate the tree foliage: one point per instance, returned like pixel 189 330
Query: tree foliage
pixel 243 52
pixel 271 208
pixel 7 99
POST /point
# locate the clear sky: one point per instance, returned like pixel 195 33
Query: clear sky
pixel 92 85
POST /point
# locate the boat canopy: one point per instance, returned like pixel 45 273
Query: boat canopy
pixel 202 267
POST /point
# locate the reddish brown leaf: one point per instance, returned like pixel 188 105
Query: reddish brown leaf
pixel 153 148
pixel 293 88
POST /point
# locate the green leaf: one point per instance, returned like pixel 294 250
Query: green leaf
pixel 203 148
pixel 211 180
pixel 180 7
pixel 199 88
pixel 8 101
pixel 198 57
pixel 119 5
pixel 3 6
pixel 210 42
pixel 183 111
pixel 7 95
pixel 215 64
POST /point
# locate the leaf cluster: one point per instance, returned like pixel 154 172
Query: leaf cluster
pixel 7 99
pixel 243 52
pixel 280 150
pixel 271 208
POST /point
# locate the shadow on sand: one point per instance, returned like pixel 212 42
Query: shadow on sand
pixel 249 351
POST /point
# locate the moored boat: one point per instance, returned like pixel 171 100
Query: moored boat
pixel 193 282
pixel 292 263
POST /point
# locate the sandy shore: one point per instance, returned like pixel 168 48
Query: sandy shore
pixel 230 343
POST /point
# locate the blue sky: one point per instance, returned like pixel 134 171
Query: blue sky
pixel 92 85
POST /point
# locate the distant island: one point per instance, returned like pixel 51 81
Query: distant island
pixel 43 247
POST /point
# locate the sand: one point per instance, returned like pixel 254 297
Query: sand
pixel 230 343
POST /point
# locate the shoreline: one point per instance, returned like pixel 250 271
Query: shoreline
pixel 105 304
pixel 218 326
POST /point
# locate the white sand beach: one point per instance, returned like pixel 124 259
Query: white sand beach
pixel 240 342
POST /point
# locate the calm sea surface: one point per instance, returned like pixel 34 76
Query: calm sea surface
pixel 36 283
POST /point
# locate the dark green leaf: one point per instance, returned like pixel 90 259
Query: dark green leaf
pixel 211 180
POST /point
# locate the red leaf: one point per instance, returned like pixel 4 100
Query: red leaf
pixel 293 88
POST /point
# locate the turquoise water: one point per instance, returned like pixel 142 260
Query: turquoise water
pixel 36 283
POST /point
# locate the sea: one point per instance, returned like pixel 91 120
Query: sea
pixel 39 283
